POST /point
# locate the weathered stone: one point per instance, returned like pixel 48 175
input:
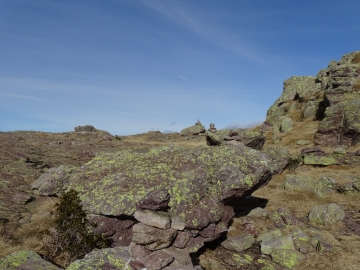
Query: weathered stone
pixel 181 257
pixel 154 219
pixel 195 243
pixel 340 151
pixel 177 223
pixel 87 128
pixel 239 242
pixel 106 258
pixel 303 142
pixel 269 244
pixel 288 217
pixel 117 229
pixel 326 214
pixel 299 235
pixel 139 252
pixel 349 187
pixel 152 238
pixel 158 260
pixel 320 186
pixel 258 212
pixel 238 260
pixel 182 239
pixel 199 217
pixel 286 125
pixel 271 234
pixel 267 264
pixel 193 130
pixel 252 139
pixel 155 200
pixel 53 181
pixel 311 109
pixel 25 260
pixel 279 156
pixel 287 258
pixel 311 150
pixel 322 160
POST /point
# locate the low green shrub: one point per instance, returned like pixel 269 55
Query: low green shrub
pixel 71 237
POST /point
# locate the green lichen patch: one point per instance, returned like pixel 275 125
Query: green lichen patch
pixel 25 259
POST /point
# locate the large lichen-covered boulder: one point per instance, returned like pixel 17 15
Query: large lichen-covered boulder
pixel 196 187
pixel 250 138
pixel 295 88
pixel 25 260
pixel 107 258
pixel 113 183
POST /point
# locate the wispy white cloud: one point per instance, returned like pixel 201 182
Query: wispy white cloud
pixel 183 78
pixel 18 96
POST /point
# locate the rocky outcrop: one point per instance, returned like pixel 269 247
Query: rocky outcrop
pixel 295 89
pixel 332 97
pixel 252 139
pixel 179 197
pixel 196 129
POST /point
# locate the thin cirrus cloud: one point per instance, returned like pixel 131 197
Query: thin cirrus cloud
pixel 19 96
pixel 183 78
pixel 206 30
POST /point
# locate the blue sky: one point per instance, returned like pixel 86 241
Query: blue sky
pixel 132 66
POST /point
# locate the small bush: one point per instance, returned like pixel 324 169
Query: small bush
pixel 71 238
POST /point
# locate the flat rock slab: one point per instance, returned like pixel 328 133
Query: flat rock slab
pixel 113 184
pixel 25 260
pixel 155 219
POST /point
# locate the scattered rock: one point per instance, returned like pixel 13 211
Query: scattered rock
pixel 340 151
pixel 287 258
pixel 303 142
pixel 239 242
pixel 196 129
pixel 212 128
pixel 87 128
pixel 252 139
pixel 326 214
pixel 258 212
pixel 286 125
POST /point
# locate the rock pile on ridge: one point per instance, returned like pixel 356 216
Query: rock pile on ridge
pixel 333 97
pixel 197 129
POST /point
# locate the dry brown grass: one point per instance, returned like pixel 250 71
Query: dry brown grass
pixel 356 59
pixel 29 236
